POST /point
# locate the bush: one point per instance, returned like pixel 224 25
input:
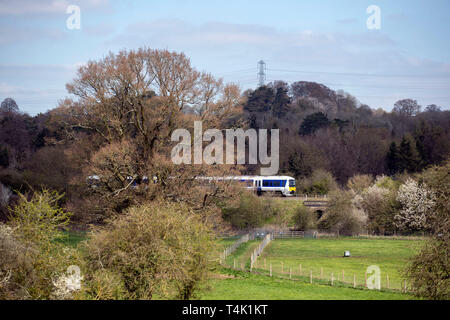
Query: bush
pixel 304 219
pixel 32 258
pixel 252 212
pixel 381 206
pixel 320 183
pixel 429 271
pixel 418 203
pixel 359 183
pixel 343 215
pixel 155 250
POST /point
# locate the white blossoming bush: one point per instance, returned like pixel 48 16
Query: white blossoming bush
pixel 417 206
pixel 67 283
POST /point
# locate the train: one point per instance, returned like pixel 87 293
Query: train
pixel 277 185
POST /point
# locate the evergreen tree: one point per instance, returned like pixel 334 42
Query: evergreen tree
pixel 393 159
pixel 314 122
pixel 409 157
pixel 281 103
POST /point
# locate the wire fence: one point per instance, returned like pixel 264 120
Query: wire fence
pixel 259 249
pixel 309 274
pixel 342 278
pixel 244 239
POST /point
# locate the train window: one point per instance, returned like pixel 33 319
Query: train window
pixel 291 183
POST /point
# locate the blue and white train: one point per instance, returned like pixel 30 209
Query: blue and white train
pixel 281 185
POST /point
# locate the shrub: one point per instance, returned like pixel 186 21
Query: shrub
pixel 381 205
pixel 344 215
pixel 321 182
pixel 155 250
pixel 359 183
pixel 304 219
pixel 429 271
pixel 252 212
pixel 31 255
pixel 417 207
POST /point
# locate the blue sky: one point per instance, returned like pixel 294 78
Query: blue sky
pixel 323 40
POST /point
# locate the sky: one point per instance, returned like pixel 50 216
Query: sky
pixel 326 41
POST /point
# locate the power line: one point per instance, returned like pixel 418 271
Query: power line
pixel 362 74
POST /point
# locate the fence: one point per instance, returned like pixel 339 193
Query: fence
pixel 340 278
pixel 257 252
pixel 228 251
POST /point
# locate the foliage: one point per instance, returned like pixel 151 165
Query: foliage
pixel 359 183
pixel 304 219
pixel 417 207
pixel 429 271
pixel 154 250
pixel 344 214
pixel 381 205
pixel 32 256
pixel 314 122
pixel 252 212
pixel 321 182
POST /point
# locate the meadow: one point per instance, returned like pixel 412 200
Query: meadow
pixel 297 258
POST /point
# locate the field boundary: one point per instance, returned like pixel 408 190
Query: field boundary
pixel 361 281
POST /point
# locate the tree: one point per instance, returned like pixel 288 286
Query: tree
pixel 429 271
pixel 260 100
pixel 409 159
pixel 393 159
pixel 32 254
pixel 417 207
pixel 155 250
pixel 9 106
pixel 343 214
pixel 281 103
pixel 314 122
pixel 304 219
pixel 433 108
pixel 407 107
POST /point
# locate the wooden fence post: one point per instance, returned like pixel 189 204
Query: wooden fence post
pixel 282 267
pixel 354 281
pixel 343 276
pixel 234 264
pixel 365 279
pixel 321 273
pixel 310 276
pixel 300 270
pixel 332 278
pixel 387 278
pixel 290 273
pixel 270 269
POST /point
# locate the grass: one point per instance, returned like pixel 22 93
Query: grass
pixel 245 286
pixel 327 254
pixel 73 238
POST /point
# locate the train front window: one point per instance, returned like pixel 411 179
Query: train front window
pixel 292 183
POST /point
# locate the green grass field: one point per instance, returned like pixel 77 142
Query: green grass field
pixel 390 255
pixel 325 256
pixel 246 286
